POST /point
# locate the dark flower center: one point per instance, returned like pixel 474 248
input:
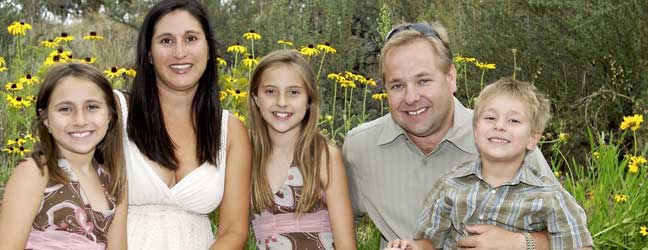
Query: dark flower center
pixel 237 43
pixel 56 58
pixel 93 33
pixel 28 76
pixel 22 23
pixel 327 44
pixel 310 46
pixel 250 57
pixel 60 50
pixel 252 31
pixel 64 34
pixel 13 86
pixel 88 59
pixel 18 98
pixel 238 91
pixel 113 69
pixel 50 40
pixel 21 148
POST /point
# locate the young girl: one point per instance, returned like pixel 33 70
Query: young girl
pixel 300 198
pixel 68 194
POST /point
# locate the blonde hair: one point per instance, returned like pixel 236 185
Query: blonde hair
pixel 434 33
pixel 311 145
pixel 536 102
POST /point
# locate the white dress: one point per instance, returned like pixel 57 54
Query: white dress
pixel 164 218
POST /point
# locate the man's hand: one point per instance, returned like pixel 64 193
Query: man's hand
pixel 489 237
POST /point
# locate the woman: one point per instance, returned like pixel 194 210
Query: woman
pixel 184 155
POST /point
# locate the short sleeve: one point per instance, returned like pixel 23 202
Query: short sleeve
pixel 567 223
pixel 353 181
pixel 434 219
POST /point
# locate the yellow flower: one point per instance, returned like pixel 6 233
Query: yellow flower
pixel 10 86
pixel 329 118
pixel 557 173
pixel 460 58
pixel 326 47
pixel 379 96
pixel 618 198
pixel 347 84
pixel 17 101
pixel 230 79
pixel 3 69
pixel 93 37
pixel 632 122
pixel 237 48
pixel 88 60
pixel 31 98
pixel 19 141
pixel 252 35
pixel 237 93
pixel 2 61
pixel 283 42
pixel 250 62
pixel 222 95
pixel 49 44
pixel 22 150
pixel 635 163
pixel 114 72
pixel 221 61
pixel 30 137
pixel 28 79
pixel 335 76
pixel 9 149
pixel 309 50
pixel 239 116
pixel 19 28
pixel 595 154
pixel 482 65
pixel 371 82
pixel 64 37
pixel 643 230
pixel 563 137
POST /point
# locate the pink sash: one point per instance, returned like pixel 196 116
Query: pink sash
pixel 267 225
pixel 60 240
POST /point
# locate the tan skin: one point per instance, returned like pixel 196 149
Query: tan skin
pixel 415 83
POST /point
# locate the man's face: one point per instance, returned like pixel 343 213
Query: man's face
pixel 419 93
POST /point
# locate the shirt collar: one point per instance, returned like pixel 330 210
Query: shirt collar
pixel 460 134
pixel 525 174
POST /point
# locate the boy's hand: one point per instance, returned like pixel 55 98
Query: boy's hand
pixel 401 245
pixel 492 237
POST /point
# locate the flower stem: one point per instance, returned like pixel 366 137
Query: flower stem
pixel 320 67
pixel 364 104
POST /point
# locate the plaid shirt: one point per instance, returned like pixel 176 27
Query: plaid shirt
pixel 530 202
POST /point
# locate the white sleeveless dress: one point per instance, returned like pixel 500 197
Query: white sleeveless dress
pixel 164 218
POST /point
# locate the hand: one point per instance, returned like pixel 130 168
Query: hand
pixel 490 237
pixel 401 245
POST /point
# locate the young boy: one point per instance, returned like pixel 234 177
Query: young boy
pixel 499 188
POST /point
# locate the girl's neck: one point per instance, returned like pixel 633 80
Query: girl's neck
pixel 284 143
pixel 80 162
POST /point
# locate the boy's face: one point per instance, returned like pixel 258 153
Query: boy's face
pixel 503 129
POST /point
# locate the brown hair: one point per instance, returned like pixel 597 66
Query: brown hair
pixel 109 151
pixel 311 145
pixel 536 102
pixel 434 33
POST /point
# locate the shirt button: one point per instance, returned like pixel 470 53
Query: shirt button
pixel 493 191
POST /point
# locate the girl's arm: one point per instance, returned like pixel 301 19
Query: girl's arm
pixel 234 210
pixel 117 238
pixel 338 201
pixel 22 199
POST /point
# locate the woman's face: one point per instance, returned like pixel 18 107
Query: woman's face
pixel 179 51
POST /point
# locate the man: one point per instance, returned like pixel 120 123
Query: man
pixel 393 161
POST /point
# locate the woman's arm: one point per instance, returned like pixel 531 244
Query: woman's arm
pixel 117 238
pixel 338 201
pixel 22 199
pixel 234 210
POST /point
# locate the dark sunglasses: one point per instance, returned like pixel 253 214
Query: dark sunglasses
pixel 420 27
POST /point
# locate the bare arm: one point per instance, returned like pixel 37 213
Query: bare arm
pixel 235 208
pixel 22 198
pixel 117 238
pixel 338 201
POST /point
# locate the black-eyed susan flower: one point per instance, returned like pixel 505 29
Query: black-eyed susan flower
pixel 22 151
pixel 64 37
pixel 252 35
pixel 114 72
pixel 635 163
pixel 30 137
pixel 229 79
pixel 335 76
pixel 618 198
pixel 484 66
pixel 9 149
pixel 88 60
pixel 222 95
pixel 17 101
pixel 327 48
pixel 379 96
pixel 221 61
pixel 309 50
pixel 93 37
pixel 250 62
pixel 17 141
pixel 237 48
pixel 285 42
pixel 49 61
pixel 461 59
pixel 29 79
pixel 563 137
pixel 237 93
pixel 49 44
pixel 632 122
pixel 557 173
pixel 31 98
pixel 10 86
pixel 19 28
pixel 643 230
pixel 370 82
pixel 347 84
pixel 130 72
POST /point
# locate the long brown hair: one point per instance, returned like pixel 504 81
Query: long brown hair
pixel 311 145
pixel 109 151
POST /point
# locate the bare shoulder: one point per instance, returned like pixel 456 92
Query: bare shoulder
pixel 334 152
pixel 236 131
pixel 28 168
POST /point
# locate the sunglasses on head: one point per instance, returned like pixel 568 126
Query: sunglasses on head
pixel 420 27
